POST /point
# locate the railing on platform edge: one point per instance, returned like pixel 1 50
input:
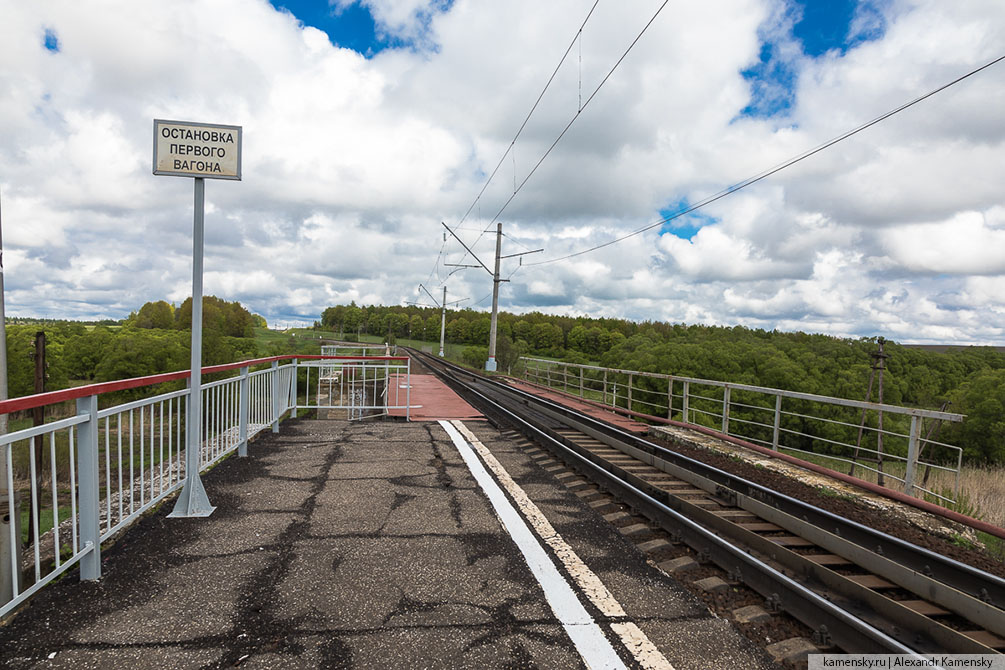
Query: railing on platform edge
pixel 602 384
pixel 123 460
pixel 362 389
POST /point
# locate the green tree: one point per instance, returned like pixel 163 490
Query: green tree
pixel 155 315
pixel 982 434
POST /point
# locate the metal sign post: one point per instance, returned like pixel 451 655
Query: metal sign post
pixel 201 151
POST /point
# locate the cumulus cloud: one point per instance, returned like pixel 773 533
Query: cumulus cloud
pixel 351 162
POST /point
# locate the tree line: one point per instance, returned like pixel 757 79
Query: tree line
pixel 152 340
pixel 967 380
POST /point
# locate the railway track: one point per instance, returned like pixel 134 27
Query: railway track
pixel 860 590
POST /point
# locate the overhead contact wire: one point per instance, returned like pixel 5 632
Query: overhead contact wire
pixel 530 113
pixel 581 109
pixel 770 171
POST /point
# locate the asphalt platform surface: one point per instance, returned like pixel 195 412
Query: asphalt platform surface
pixel 353 545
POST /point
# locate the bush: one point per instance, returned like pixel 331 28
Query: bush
pixel 475 356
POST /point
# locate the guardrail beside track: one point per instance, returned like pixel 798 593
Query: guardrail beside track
pixel 807 424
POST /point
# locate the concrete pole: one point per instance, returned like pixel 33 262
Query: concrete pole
pixel 442 322
pixel 490 364
pixel 193 500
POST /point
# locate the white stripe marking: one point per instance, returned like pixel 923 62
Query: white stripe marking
pixel 584 632
pixel 637 642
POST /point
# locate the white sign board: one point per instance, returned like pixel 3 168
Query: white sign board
pixel 185 149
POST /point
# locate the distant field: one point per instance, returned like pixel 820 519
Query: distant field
pixel 943 348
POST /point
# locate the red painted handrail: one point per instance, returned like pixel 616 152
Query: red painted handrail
pixel 52 397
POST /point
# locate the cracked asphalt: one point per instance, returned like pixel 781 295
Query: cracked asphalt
pixel 338 545
pixel 334 545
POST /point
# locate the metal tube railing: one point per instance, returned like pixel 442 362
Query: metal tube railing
pixel 790 429
pixel 108 466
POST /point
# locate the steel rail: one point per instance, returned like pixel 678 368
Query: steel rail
pixel 849 538
pixel 966 578
pixel 923 505
pixel 847 631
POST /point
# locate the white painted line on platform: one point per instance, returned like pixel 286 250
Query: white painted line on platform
pixel 636 641
pixel 586 635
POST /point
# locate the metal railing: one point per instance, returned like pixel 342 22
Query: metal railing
pixel 362 387
pixel 87 476
pixel 359 349
pixel 837 429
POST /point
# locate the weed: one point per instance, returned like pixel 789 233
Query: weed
pixel 964 504
pixel 995 545
pixel 963 541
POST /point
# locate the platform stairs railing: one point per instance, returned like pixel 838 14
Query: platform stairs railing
pixel 77 481
pixel 901 452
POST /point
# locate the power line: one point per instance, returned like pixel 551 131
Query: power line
pixel 770 171
pixel 436 265
pixel 580 111
pixel 582 107
pixel 512 143
pixel 530 113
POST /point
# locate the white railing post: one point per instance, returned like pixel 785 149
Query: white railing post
pixel 10 544
pixel 408 390
pixel 670 399
pixel 605 386
pixel 725 411
pixel 778 422
pixel 243 401
pixel 275 396
pixel 630 392
pixel 293 390
pixel 87 488
pixel 912 455
pixel 685 409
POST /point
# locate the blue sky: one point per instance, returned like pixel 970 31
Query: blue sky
pixel 818 26
pixel 50 40
pixel 686 226
pixel 351 27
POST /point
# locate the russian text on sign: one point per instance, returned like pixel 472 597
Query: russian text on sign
pixel 186 149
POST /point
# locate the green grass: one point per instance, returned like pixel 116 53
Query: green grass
pixel 44 520
pixel 994 545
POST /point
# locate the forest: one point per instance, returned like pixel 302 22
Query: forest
pixel 153 340
pixel 970 379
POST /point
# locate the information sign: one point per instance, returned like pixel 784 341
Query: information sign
pixel 185 149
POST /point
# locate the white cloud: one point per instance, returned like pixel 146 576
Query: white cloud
pixel 351 163
pixel 965 245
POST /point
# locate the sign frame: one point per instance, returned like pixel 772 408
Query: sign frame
pixel 199 175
